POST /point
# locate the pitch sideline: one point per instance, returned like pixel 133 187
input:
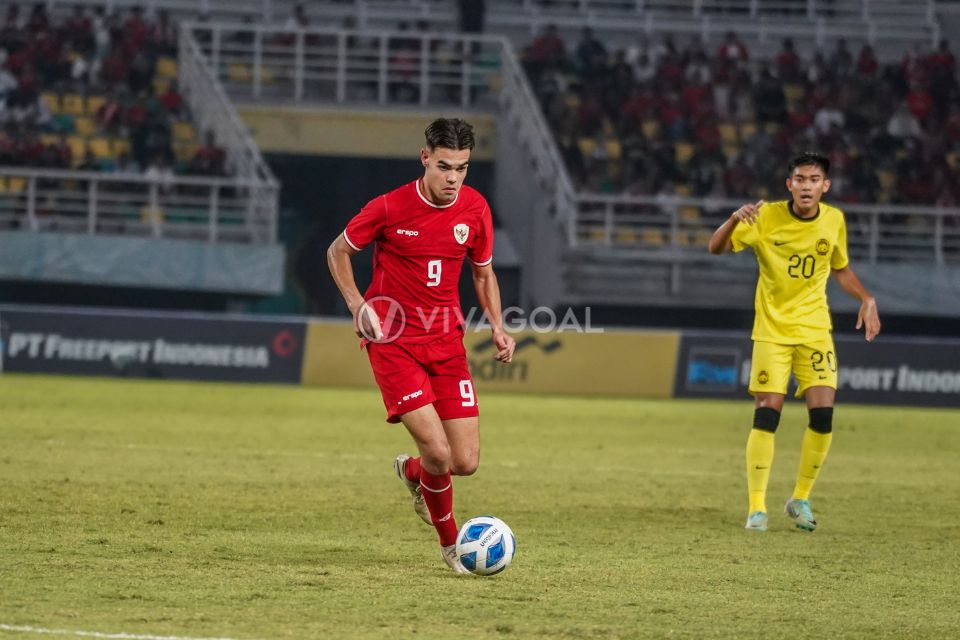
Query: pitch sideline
pixel 96 634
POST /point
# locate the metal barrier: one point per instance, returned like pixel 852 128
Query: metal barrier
pixel 333 65
pixel 679 227
pixel 211 209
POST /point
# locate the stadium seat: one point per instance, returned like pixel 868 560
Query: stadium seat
pixel 747 129
pixel 166 67
pixel 84 126
pixel 183 132
pixel 953 159
pixel 239 73
pixel 650 128
pixel 683 190
pixel 728 133
pixel 653 237
pixel 793 93
pixel 185 152
pixel 614 149
pixel 48 139
pixel 94 103
pixel 587 146
pixel 160 86
pixel 730 151
pixel 78 147
pixel 625 235
pixel 72 103
pixel 683 151
pixel 51 101
pixel 100 147
pixel 690 215
pixel 572 100
pixel 888 181
pixel 120 145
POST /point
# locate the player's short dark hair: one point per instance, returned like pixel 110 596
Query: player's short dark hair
pixel 449 133
pixel 807 158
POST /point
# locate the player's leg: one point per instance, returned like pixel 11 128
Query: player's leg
pixel 463 434
pixel 405 387
pixel 436 484
pixel 769 374
pixel 815 367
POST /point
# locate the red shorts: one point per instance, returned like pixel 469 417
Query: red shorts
pixel 411 376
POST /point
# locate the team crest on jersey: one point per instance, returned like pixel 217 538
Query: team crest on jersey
pixel 763 377
pixel 823 247
pixel 460 233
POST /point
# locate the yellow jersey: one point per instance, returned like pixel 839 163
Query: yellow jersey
pixel 795 256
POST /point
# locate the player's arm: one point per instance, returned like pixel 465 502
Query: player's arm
pixel 720 242
pixel 365 321
pixel 488 293
pixel 867 315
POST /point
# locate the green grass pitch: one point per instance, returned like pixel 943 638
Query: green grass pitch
pixel 239 511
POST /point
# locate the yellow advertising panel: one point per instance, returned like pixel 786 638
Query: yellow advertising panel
pixel 613 363
pixel 353 133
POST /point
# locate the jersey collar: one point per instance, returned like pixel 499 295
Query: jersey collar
pixel 796 217
pixel 435 206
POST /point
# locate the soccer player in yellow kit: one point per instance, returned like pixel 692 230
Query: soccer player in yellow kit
pixel 798 243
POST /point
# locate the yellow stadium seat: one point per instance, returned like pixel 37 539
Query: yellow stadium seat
pixel 494 79
pixel 51 100
pixel 953 159
pixel 793 93
pixel 183 132
pixel 888 180
pixel 239 73
pixel 16 185
pixel 166 67
pixel 614 149
pixel 650 128
pixel 150 214
pixel 572 101
pixel 747 129
pixel 185 152
pixel 94 103
pixel 100 147
pixel 72 103
pixel 84 126
pixel 49 138
pixel 684 151
pixel 653 237
pixel 587 146
pixel 690 215
pixel 594 234
pixel 730 151
pixel 120 145
pixel 728 133
pixel 683 190
pixel 625 235
pixel 160 86
pixel 78 147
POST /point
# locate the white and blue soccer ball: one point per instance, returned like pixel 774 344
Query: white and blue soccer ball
pixel 485 545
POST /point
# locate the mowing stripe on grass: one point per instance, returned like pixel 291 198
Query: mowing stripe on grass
pixel 97 634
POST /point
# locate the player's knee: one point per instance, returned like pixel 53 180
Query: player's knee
pixel 435 456
pixel 464 467
pixel 766 419
pixel 821 419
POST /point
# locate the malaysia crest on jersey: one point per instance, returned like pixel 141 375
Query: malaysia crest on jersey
pixel 460 233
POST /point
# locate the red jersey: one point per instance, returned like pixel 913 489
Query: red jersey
pixel 419 252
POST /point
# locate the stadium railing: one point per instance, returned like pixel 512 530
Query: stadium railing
pixel 91 202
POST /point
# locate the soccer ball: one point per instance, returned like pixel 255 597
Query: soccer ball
pixel 485 545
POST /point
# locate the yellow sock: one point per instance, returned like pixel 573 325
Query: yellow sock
pixel 759 459
pixel 814 452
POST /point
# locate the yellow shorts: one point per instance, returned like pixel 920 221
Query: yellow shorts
pixel 813 365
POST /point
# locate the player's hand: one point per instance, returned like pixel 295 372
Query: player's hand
pixel 868 316
pixel 505 346
pixel 366 323
pixel 748 213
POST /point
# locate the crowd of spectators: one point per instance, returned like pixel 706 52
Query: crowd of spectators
pixel 108 59
pixel 665 118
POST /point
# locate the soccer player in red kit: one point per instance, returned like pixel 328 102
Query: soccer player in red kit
pixel 410 319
